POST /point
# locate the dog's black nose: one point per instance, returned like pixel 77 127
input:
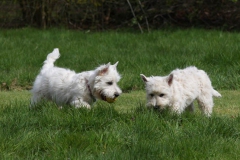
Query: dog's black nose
pixel 116 94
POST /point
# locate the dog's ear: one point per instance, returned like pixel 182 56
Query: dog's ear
pixel 170 79
pixel 115 65
pixel 104 70
pixel 144 78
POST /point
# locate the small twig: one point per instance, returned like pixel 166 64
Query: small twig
pixel 134 16
pixel 144 15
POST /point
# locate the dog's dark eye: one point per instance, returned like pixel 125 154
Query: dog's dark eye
pixel 151 95
pixel 161 95
pixel 109 83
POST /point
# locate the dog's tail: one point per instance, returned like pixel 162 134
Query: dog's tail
pixel 51 58
pixel 216 93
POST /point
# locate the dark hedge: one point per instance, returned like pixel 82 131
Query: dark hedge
pixel 114 14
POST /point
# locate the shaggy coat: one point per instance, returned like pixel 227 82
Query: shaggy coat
pixel 179 89
pixel 64 86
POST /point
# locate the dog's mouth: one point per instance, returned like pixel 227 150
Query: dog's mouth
pixel 103 97
pixel 107 99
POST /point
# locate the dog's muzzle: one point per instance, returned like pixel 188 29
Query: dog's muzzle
pixel 108 99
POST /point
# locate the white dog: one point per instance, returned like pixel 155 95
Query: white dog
pixel 64 86
pixel 179 89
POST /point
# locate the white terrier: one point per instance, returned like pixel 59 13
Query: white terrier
pixel 179 89
pixel 64 86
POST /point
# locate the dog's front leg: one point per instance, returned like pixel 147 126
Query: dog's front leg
pixel 177 108
pixel 80 103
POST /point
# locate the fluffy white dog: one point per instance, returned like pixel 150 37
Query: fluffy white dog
pixel 64 86
pixel 179 89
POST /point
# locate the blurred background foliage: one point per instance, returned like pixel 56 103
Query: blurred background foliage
pixel 115 14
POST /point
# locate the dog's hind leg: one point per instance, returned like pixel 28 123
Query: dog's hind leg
pixel 205 103
pixel 35 99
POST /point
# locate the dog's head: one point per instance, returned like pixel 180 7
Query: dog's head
pixel 105 83
pixel 158 90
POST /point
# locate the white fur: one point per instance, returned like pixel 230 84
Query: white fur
pixel 64 86
pixel 179 89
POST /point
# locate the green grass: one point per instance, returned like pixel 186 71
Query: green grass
pixel 157 53
pixel 124 129
pixel 227 105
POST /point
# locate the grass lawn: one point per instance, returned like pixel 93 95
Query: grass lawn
pixel 124 129
pixel 227 105
pixel 157 53
pixel 121 130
